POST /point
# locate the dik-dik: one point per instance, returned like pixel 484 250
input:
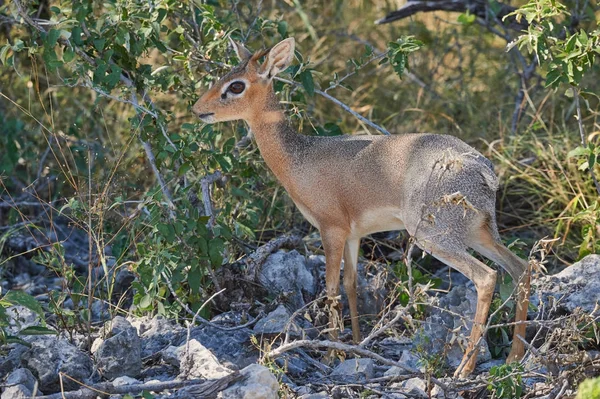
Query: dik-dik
pixel 439 189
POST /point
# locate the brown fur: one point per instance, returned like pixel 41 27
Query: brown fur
pixel 438 188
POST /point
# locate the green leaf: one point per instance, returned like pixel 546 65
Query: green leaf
pixel 76 35
pixel 68 54
pixel 282 28
pixel 184 168
pixel 4 53
pixel 113 77
pixel 308 82
pixel 194 279
pixel 224 161
pixel 215 249
pixel 577 152
pixel 99 43
pixel 466 18
pixel 167 231
pixel 24 299
pixel 146 301
pixel 11 339
pixel 37 330
pixel 52 37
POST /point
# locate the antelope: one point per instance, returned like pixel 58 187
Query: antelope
pixel 438 188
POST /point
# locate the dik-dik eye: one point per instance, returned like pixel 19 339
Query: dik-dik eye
pixel 236 87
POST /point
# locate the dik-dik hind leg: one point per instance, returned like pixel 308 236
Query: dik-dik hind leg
pixel 334 241
pixel 519 271
pixel 350 262
pixel 484 279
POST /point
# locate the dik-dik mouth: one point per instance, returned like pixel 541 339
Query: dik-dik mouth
pixel 206 117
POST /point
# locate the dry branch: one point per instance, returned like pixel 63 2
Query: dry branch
pixel 200 388
pixel 481 9
pixel 351 349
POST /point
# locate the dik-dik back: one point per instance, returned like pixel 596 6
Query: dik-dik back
pixel 441 190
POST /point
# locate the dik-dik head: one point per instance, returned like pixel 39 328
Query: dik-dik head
pixel 245 91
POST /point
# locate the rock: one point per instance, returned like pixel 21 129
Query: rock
pixel 119 381
pixel 371 291
pixel 21 377
pixel 157 333
pixel 100 311
pixel 576 286
pixel 371 281
pixel 318 395
pixel 409 360
pixel 120 352
pixel 354 370
pixel 171 355
pixel 20 318
pixel 12 359
pixel 485 367
pixel 259 383
pixel 278 322
pixel 232 348
pixel 232 318
pixel 16 392
pixel 198 362
pixel 394 347
pixel 285 273
pixel 415 388
pixel 447 332
pixel 50 355
pixel 293 365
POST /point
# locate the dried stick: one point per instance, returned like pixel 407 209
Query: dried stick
pixel 201 319
pixel 202 388
pixel 348 348
pixel 205 184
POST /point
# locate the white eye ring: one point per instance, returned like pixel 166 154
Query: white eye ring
pixel 226 90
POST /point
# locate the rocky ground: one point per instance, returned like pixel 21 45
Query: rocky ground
pixel 280 351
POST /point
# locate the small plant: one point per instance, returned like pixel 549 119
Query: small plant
pixel 7 319
pixel 399 50
pixel 506 381
pixel 589 389
pixel 400 271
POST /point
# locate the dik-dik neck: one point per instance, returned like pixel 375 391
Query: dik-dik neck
pixel 280 145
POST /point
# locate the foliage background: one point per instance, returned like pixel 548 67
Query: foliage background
pixel 94 94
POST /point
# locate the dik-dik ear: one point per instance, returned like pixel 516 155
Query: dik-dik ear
pixel 242 52
pixel 279 58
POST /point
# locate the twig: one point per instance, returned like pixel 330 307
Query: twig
pixel 348 348
pixel 257 258
pixel 152 160
pixel 400 313
pixel 189 325
pixel 205 184
pixel 525 76
pixel 201 319
pixel 202 388
pixel 582 134
pixel 341 104
pixel 338 82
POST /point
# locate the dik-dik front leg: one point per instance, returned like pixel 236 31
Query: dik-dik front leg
pixel 350 264
pixel 334 240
